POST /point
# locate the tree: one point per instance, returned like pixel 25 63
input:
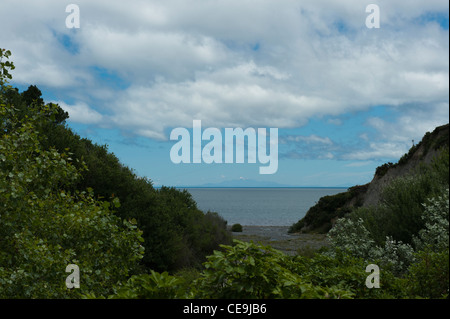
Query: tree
pixel 5 67
pixel 44 227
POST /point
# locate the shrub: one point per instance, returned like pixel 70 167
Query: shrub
pixel 236 228
pixel 248 270
pixel 351 235
pixel 402 204
pixel 343 271
pixel 435 234
pixel 43 228
pixel 319 216
pixel 151 286
pixel 400 212
pixel 429 276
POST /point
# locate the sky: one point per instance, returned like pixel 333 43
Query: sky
pixel 344 97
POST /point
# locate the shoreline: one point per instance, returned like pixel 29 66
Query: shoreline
pixel 278 238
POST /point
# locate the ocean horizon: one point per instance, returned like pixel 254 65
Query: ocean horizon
pixel 260 206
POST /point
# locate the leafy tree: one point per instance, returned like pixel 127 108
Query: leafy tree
pixel 32 96
pixel 5 67
pixel 44 227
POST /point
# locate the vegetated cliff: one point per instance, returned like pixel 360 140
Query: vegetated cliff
pixel 321 217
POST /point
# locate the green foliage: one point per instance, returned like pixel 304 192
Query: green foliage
pixel 176 233
pixel 350 234
pixel 344 271
pixel 411 222
pixel 402 205
pixel 236 228
pixel 248 270
pixel 151 286
pixel 429 276
pixel 400 213
pixel 424 264
pixel 382 169
pixel 43 228
pixel 5 67
pixel 434 236
pixel 319 217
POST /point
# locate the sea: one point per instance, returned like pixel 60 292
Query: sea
pixel 260 206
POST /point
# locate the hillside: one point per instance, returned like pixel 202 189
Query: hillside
pixel 176 233
pixel 322 216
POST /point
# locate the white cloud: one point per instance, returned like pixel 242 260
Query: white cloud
pixel 335 121
pixel 81 113
pixel 412 123
pixel 327 156
pixel 379 151
pixel 236 63
pixel 310 139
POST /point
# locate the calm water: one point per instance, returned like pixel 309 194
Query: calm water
pixel 260 206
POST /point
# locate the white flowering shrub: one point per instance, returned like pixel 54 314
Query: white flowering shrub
pixel 435 235
pixel 351 235
pixel 396 255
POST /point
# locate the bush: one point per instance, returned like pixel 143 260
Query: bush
pixel 350 235
pixel 248 270
pixel 176 233
pixel 44 228
pixel 237 228
pixel 346 272
pixel 402 202
pixel 319 217
pixel 434 236
pixel 400 213
pixel 151 286
pixel 429 276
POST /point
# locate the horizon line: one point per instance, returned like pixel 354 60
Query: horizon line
pixel 185 186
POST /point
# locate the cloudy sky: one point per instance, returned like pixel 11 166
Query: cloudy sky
pixel 344 97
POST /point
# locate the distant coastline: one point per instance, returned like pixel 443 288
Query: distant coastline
pixel 250 183
pixel 281 187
